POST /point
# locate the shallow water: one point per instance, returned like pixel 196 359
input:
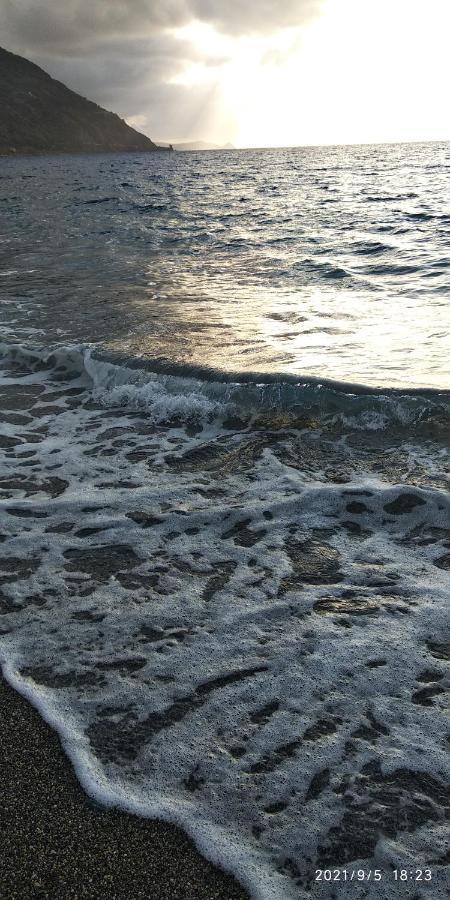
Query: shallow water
pixel 229 591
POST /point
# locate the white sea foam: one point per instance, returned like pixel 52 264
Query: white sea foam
pixel 224 635
pixel 161 397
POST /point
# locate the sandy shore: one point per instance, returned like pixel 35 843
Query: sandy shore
pixel 56 843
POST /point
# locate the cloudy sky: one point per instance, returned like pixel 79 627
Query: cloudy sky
pixel 253 72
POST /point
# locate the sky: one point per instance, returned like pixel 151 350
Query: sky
pixel 256 73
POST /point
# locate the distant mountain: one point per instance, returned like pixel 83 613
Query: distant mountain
pixel 200 145
pixel 41 115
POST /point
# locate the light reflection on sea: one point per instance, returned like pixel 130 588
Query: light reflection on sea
pixel 332 262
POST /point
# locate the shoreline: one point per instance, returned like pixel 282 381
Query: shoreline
pixel 57 842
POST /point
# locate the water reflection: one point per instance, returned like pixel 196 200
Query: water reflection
pixel 325 261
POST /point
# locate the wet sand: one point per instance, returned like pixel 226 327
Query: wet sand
pixel 56 843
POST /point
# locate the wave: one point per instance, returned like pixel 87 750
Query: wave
pixel 186 392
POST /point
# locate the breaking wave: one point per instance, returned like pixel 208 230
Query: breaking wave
pixel 165 391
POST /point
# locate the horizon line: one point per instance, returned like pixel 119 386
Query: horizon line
pixel 390 143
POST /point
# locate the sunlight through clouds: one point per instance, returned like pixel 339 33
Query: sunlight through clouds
pixel 359 73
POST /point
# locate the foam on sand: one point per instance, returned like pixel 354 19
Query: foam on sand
pixel 231 601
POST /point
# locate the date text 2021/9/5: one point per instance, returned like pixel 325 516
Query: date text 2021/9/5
pixel 373 874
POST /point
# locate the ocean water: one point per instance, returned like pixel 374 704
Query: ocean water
pixel 224 492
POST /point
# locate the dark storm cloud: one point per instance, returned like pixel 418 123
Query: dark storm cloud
pixel 122 54
pixel 68 24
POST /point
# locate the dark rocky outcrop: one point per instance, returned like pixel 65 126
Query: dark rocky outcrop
pixel 41 115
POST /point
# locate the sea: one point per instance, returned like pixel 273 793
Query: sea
pixel 224 494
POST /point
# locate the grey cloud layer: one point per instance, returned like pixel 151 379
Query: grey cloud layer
pixel 49 24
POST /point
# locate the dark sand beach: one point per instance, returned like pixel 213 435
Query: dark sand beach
pixel 56 843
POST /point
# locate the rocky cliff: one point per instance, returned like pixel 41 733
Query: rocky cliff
pixel 41 115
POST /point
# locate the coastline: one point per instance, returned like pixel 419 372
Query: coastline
pixel 56 842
